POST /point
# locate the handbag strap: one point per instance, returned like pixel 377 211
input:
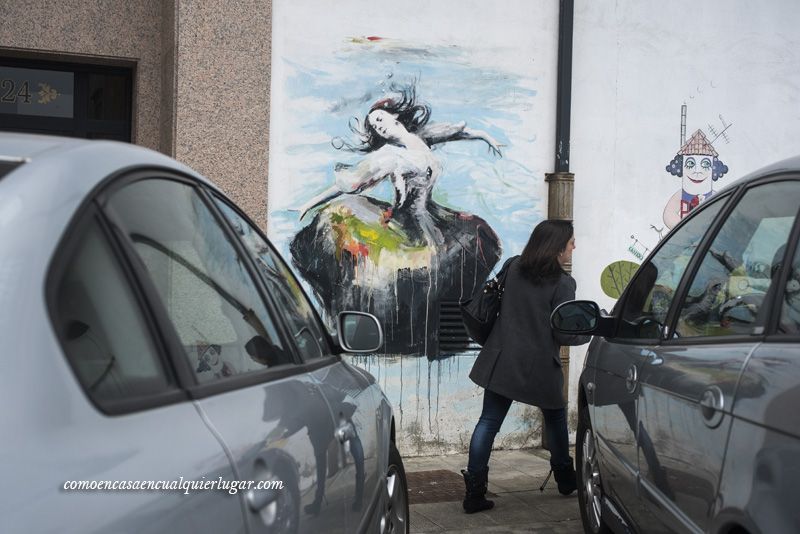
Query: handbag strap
pixel 501 276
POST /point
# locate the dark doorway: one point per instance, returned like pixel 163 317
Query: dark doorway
pixel 56 98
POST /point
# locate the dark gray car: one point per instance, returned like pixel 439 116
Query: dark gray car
pixel 688 402
pixel 163 369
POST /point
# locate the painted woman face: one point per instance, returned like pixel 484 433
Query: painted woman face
pixel 386 125
pixel 697 170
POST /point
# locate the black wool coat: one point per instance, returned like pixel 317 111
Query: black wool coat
pixel 520 360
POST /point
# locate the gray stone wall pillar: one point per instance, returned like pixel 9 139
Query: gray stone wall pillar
pixel 219 120
pixel 560 197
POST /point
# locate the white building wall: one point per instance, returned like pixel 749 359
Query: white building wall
pixel 733 63
pixel 490 65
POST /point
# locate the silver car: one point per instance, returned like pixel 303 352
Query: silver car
pixel 164 371
pixel 688 400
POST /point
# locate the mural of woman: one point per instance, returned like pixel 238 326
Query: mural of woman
pixel 397 260
pixel 698 165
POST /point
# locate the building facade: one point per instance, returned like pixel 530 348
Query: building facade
pixel 195 77
pixel 270 100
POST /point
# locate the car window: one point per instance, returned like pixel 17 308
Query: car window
pixel 294 307
pixel 648 299
pixel 102 329
pixel 727 293
pixel 790 299
pixel 212 301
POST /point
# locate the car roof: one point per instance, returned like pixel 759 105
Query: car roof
pixel 93 157
pixel 24 146
pixel 39 197
pixel 52 176
pixel 784 166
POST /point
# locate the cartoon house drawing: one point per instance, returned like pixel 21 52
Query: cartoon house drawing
pixel 698 165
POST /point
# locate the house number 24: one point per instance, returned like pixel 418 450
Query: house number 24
pixel 12 93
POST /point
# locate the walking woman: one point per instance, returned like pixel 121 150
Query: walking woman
pixel 520 360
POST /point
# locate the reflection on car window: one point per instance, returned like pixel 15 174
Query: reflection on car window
pixel 304 325
pixel 790 305
pixel 650 295
pixel 726 295
pixel 103 333
pixel 213 303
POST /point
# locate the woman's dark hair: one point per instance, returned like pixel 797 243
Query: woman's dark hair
pixel 539 261
pixel 412 116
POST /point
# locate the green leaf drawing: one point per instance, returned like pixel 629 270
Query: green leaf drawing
pixel 616 276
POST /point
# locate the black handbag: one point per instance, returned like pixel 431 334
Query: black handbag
pixel 480 311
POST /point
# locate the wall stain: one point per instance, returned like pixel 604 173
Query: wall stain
pixel 438 414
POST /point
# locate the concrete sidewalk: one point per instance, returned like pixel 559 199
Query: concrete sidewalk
pixel 436 490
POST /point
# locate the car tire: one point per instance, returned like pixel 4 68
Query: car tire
pixel 395 518
pixel 590 487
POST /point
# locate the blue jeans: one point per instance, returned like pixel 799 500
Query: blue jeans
pixel 495 409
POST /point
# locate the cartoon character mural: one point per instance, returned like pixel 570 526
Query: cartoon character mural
pixel 396 259
pixel 698 164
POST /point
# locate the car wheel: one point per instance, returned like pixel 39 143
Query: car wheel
pixel 590 486
pixel 395 512
pixel 283 515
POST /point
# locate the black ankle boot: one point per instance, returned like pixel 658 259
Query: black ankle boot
pixel 475 498
pixel 565 477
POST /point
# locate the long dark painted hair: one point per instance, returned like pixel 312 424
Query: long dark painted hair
pixel 412 115
pixel 539 261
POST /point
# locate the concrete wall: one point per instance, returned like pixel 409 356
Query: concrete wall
pixel 492 68
pixel 222 95
pixel 436 407
pixel 201 75
pixel 116 32
pixel 736 67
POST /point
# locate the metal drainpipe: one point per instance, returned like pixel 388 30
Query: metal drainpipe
pixel 561 183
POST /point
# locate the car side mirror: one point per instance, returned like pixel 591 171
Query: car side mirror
pixel 359 332
pixel 580 317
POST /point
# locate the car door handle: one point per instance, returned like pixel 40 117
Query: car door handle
pixel 259 499
pixel 631 378
pixel 712 404
pixel 344 432
pixel 711 401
